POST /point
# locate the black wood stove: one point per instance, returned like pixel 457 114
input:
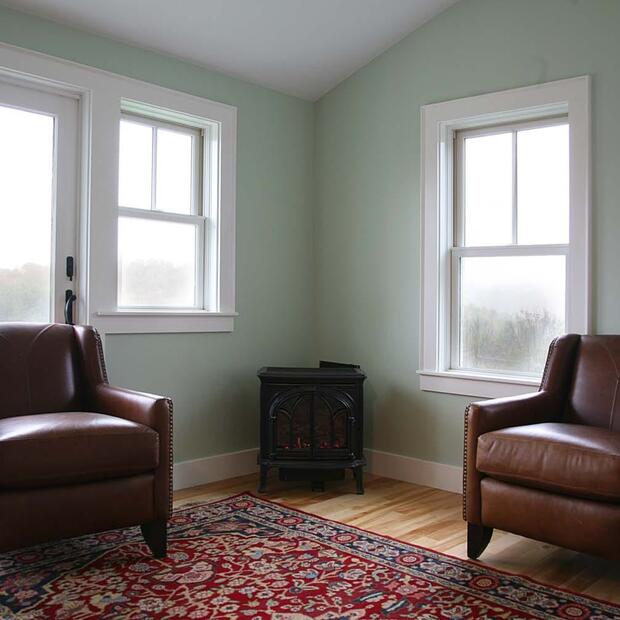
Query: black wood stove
pixel 311 424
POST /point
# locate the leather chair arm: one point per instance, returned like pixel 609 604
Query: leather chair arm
pixel 492 415
pixel 147 409
pixel 154 412
pixel 546 405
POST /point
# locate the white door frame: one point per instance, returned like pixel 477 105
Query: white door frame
pixel 71 176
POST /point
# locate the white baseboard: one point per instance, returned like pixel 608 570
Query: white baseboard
pixel 409 469
pixel 416 471
pixel 214 468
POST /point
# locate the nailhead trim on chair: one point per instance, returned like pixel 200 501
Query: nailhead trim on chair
pixel 547 363
pixel 465 463
pixel 100 354
pixel 170 454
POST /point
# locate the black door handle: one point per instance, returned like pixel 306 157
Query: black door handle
pixel 69 301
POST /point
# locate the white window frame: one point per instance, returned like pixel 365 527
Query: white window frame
pixel 459 250
pixel 102 97
pixel 204 176
pixel 440 123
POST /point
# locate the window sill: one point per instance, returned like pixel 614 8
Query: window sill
pixel 162 321
pixel 476 384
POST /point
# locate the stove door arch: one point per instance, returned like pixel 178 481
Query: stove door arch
pixel 312 422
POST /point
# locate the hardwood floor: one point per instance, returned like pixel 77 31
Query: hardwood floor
pixel 430 518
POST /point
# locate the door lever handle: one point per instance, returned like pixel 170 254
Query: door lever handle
pixel 69 301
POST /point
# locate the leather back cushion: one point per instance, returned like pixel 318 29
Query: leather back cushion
pixel 594 398
pixel 38 369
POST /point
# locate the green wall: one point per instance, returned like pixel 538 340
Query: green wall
pixel 212 377
pixel 328 208
pixel 367 248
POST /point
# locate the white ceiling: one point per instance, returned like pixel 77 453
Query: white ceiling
pixel 300 47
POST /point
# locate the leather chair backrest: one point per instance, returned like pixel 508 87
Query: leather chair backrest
pixel 38 369
pixel 594 398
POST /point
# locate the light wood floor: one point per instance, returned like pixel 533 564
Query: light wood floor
pixel 430 518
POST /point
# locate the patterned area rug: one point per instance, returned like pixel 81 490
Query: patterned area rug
pixel 245 557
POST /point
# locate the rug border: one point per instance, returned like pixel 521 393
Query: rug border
pixel 477 563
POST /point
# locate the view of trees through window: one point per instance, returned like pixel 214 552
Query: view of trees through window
pixel 25 293
pixel 511 342
pixel 26 200
pixel 157 281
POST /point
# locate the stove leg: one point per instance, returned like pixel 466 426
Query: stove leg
pixel 264 470
pixel 358 473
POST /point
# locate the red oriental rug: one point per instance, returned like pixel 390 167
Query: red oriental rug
pixel 245 557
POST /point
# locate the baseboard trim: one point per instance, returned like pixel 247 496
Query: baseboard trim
pixel 407 468
pixel 214 468
pixel 416 471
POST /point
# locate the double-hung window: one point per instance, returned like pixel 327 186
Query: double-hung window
pixel 175 219
pixel 162 223
pixel 505 234
pixel 510 245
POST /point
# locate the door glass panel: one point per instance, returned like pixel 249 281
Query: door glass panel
pixel 330 415
pixel 26 206
pixel 292 432
pixel 511 309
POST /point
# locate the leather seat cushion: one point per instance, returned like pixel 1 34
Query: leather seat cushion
pixel 66 448
pixel 572 459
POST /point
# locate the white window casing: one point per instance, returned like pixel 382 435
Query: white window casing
pixel 103 97
pixel 569 99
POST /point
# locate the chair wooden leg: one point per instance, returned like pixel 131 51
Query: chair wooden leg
pixel 478 537
pixel 156 537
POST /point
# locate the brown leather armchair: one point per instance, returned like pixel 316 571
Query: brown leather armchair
pixel 76 454
pixel 547 465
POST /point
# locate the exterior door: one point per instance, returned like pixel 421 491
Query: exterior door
pixel 38 203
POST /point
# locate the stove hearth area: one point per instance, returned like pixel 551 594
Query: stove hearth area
pixel 311 423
